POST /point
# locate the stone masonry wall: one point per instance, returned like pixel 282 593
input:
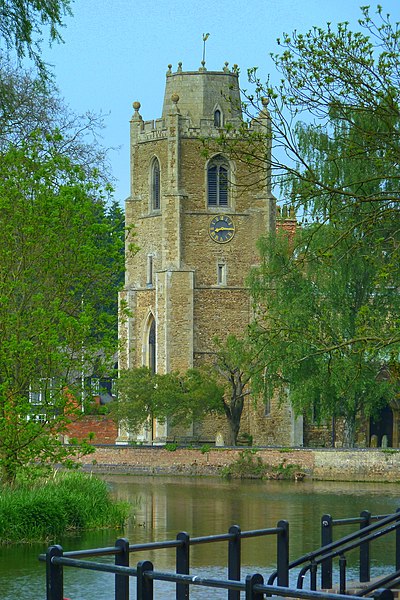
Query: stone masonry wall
pixel 185 461
pixel 325 464
pixel 273 427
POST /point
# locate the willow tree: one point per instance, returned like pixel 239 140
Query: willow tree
pixel 335 138
pixel 22 23
pixel 328 298
pixel 314 317
pixel 327 306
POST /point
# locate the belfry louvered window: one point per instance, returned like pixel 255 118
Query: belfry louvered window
pixel 217 183
pixel 155 185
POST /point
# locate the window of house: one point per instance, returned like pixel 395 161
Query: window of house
pixel 217 182
pixel 43 391
pixel 101 385
pixel 155 185
pixel 39 418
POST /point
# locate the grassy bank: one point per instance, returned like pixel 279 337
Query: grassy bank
pixel 48 509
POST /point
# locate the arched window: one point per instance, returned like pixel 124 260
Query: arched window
pixel 155 185
pixel 217 118
pixel 151 350
pixel 217 182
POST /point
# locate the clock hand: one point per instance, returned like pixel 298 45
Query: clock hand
pixel 224 229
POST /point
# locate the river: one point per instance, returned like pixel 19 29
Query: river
pixel 163 506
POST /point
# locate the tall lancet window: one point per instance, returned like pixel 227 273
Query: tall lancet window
pixel 218 182
pixel 155 185
pixel 151 350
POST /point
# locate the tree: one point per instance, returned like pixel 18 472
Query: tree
pixel 111 245
pixel 28 104
pixel 22 21
pixel 236 362
pixel 315 314
pixel 337 104
pixel 180 398
pixel 55 274
pixel 188 397
pixel 328 305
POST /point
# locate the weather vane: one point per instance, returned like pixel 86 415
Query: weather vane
pixel 205 38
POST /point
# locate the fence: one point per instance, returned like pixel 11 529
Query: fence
pixel 56 559
pixel 365 535
pixel 330 550
pixel 371 528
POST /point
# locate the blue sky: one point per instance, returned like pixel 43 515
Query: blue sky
pixel 117 51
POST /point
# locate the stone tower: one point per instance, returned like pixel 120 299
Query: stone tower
pixel 197 219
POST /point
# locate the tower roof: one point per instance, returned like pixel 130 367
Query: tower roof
pixel 203 92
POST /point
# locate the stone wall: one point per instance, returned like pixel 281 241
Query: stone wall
pixel 272 426
pixel 323 464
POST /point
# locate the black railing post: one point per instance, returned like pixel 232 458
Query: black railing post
pixel 122 560
pixel 251 581
pixel 182 564
pixel 342 574
pixel 313 576
pixel 54 575
pixel 365 574
pixel 234 560
pixel 144 589
pixel 326 538
pixel 398 544
pixel 283 553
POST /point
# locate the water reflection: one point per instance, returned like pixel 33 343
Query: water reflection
pixel 205 506
pixel 164 506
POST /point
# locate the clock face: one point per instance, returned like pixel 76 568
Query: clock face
pixel 222 229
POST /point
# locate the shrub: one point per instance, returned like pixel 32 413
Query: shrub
pixel 250 466
pixel 47 510
pixel 171 446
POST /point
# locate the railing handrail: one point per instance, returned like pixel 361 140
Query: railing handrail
pixel 355 520
pixel 355 544
pixel 382 581
pixel 221 537
pixel 56 558
pixel 227 584
pixel 325 550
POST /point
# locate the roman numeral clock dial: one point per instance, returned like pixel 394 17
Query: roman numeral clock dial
pixel 221 229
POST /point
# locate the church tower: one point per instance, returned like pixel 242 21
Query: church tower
pixel 196 220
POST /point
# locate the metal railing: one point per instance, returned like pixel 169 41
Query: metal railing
pixel 361 539
pixel 56 559
pixel 253 586
pixel 371 528
pixel 364 520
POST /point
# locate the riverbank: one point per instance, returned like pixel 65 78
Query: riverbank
pixel 366 464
